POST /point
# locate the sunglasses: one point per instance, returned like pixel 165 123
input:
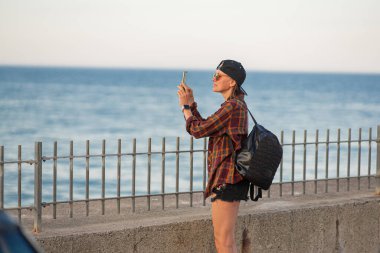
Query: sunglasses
pixel 217 76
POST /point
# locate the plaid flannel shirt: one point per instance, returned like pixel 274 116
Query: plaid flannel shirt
pixel 230 122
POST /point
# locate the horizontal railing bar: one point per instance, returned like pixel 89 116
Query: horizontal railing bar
pixel 324 142
pixel 188 151
pixel 116 198
pixel 45 158
pixel 30 208
pixel 99 199
pixel 31 162
pixel 323 179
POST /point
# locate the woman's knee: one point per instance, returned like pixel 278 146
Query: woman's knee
pixel 224 236
pixel 226 242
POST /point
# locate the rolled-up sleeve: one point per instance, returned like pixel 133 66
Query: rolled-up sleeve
pixel 215 125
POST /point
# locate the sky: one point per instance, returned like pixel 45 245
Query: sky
pixel 270 35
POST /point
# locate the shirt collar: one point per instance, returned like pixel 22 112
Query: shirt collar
pixel 239 97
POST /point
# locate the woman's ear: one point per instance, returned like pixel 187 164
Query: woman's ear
pixel 232 83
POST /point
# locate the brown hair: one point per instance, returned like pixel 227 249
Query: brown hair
pixel 236 91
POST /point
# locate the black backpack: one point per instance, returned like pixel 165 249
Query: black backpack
pixel 258 159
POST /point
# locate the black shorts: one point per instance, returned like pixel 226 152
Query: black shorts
pixel 232 192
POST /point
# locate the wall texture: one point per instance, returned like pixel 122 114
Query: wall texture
pixel 326 224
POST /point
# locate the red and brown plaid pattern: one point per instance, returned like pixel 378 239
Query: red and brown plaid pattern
pixel 229 122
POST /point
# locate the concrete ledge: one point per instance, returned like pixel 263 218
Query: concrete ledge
pixel 336 222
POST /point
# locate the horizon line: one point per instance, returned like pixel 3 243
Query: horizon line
pixel 186 69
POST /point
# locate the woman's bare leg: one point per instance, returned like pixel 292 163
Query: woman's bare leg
pixel 224 217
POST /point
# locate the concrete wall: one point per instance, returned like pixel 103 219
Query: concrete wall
pixel 337 225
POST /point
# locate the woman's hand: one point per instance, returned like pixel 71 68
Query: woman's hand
pixel 185 95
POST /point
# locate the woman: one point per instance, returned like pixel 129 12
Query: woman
pixel 226 129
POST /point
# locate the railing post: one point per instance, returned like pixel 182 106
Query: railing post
pixel 37 186
pixel 204 168
pixel 378 162
pixel 1 177
pixel 191 169
pixel 134 175
pixel 163 174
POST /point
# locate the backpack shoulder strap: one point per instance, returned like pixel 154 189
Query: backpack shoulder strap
pixel 251 192
pixel 252 116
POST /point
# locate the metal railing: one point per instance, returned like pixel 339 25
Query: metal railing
pixel 281 178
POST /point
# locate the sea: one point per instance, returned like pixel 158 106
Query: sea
pixel 63 104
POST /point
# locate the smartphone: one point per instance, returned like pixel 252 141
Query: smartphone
pixel 184 77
